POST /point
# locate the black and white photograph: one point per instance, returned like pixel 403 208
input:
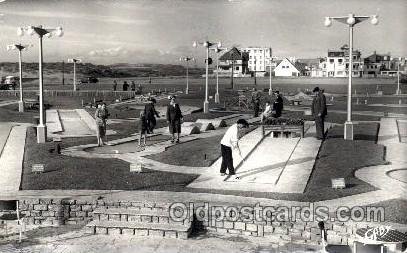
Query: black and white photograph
pixel 180 126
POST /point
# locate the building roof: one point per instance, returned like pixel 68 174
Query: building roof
pixel 300 67
pixel 232 54
pixel 377 58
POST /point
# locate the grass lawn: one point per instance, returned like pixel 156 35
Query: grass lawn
pixel 395 210
pixel 10 113
pixel 201 153
pixel 63 172
pixel 329 164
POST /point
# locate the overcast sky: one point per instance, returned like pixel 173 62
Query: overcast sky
pixel 160 31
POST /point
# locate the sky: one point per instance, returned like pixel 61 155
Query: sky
pixel 160 31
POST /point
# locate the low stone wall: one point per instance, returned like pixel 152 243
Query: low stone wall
pixel 57 211
pixel 81 212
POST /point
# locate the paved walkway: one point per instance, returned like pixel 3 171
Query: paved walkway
pixel 71 123
pixel 11 159
pixel 383 176
pixel 271 164
pixel 8 102
pixel 71 239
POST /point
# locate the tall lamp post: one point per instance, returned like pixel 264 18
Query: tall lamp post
pixel 398 92
pixel 270 88
pixel 217 51
pixel 187 59
pixel 351 20
pixel 20 48
pixel 207 45
pixel 41 32
pixel 74 61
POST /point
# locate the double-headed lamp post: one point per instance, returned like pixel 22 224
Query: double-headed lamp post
pixel 20 48
pixel 40 32
pixel 74 61
pixel 208 45
pixel 351 20
pixel 187 59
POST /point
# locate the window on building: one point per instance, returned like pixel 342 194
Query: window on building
pixel 260 51
pixel 331 60
pixel 347 65
pixel 237 68
pixel 340 61
pixel 251 57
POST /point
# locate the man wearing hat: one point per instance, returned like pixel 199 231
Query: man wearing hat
pixel 229 141
pixel 174 119
pixel 319 111
pixel 278 105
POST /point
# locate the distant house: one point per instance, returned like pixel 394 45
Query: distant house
pixel 376 63
pixel 235 60
pixel 337 63
pixel 259 59
pixel 287 68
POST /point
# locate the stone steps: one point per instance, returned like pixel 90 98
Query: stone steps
pixel 139 222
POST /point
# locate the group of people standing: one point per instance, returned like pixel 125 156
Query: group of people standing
pixel 230 139
pixel 148 121
pixel 126 86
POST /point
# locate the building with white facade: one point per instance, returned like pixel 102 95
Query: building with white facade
pixel 260 59
pixel 286 68
pixel 337 63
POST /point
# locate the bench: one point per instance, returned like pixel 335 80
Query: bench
pixel 31 103
pixel 284 129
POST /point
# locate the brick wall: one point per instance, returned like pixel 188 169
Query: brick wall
pixel 69 211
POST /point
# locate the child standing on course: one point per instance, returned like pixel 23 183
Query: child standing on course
pixel 143 128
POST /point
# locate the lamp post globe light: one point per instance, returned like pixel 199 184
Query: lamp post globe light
pixel 207 45
pixel 351 20
pixel 187 59
pixel 20 48
pixel 40 32
pixel 74 61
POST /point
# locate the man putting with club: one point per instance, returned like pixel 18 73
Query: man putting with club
pixel 230 140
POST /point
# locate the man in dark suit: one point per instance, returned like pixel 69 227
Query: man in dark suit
pixel 174 118
pixel 278 105
pixel 319 111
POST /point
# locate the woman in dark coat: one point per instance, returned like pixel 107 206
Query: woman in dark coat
pixel 174 119
pixel 150 114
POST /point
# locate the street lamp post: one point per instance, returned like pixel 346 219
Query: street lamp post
pixel 270 88
pixel 20 48
pixel 40 32
pixel 351 20
pixel 398 92
pixel 217 50
pixel 187 59
pixel 207 45
pixel 74 61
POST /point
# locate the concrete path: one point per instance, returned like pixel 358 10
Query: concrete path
pixel 385 176
pixel 8 102
pixel 5 129
pixel 71 123
pixel 365 113
pixel 271 164
pixel 71 239
pixel 11 159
